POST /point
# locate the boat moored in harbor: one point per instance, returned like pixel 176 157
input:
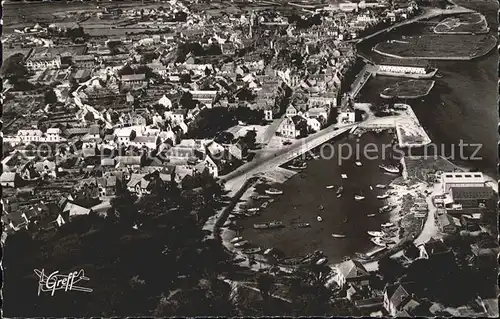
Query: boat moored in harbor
pixel 381 186
pixel 252 213
pixel 378 241
pixel 303 225
pixel 252 250
pixel 236 239
pixel 338 236
pixel 389 168
pixel 276 224
pixel 321 261
pixel 386 208
pixel 387 225
pixel 375 233
pixel 383 196
pixel 241 243
pixel 271 225
pixel 273 191
pixel 362 256
pixel 261 226
pixel 340 189
pixel 298 166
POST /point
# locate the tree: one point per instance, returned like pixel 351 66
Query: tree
pixel 390 269
pixel 250 139
pixel 411 251
pixel 265 283
pixel 310 295
pixel 13 67
pixel 125 208
pixel 50 97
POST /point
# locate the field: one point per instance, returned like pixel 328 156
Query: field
pixel 474 23
pixel 411 89
pixel 438 47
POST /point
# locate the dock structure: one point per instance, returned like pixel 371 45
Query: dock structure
pixel 360 81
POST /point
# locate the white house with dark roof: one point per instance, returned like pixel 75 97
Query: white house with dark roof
pixel 351 271
pixel 399 300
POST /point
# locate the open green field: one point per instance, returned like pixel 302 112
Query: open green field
pixel 411 89
pixel 438 47
pixel 463 24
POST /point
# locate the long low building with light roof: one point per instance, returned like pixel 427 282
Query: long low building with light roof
pixel 461 179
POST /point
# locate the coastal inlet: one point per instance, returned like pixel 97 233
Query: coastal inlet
pixel 312 193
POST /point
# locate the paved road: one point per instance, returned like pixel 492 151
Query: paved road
pixel 235 179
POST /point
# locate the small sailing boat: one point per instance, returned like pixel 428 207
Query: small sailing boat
pixel 321 207
pixel 319 219
pixel 345 220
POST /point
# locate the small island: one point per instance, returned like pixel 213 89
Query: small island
pixel 438 47
pixel 411 89
pixel 473 23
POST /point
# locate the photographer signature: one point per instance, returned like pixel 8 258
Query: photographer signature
pixel 56 281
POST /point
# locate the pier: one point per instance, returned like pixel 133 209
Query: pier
pixel 360 81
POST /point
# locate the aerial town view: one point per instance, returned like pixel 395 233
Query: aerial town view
pixel 250 158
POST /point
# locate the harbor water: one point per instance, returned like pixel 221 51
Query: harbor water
pixel 307 191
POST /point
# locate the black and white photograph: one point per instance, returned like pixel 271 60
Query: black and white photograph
pixel 250 158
